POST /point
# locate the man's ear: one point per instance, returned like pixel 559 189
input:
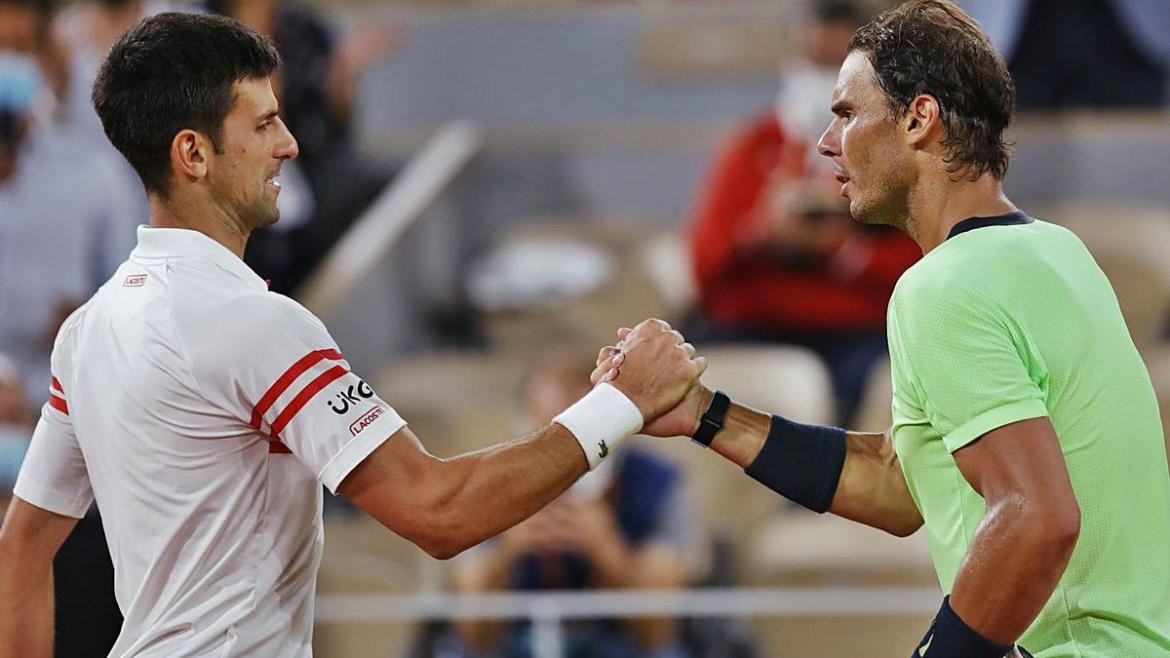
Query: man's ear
pixel 921 120
pixel 189 154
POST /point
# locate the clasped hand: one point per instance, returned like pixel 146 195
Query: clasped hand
pixel 658 370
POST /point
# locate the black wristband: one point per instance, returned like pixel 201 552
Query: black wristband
pixel 801 462
pixel 712 420
pixel 951 637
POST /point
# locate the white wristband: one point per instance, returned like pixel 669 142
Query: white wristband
pixel 600 421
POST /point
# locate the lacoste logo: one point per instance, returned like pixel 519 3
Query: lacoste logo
pixel 366 420
pixel 134 281
pixel 604 450
pixel 926 647
pixel 351 397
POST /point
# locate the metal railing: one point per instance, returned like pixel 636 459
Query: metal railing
pixel 404 200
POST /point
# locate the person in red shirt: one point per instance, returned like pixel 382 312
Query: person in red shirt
pixel 775 254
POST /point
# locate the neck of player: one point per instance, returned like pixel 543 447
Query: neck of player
pixel 181 211
pixel 938 203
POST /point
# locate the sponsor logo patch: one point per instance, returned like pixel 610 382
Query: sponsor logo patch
pixel 134 281
pixel 366 420
pixel 351 396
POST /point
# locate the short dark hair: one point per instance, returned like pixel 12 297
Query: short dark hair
pixel 173 72
pixel 932 47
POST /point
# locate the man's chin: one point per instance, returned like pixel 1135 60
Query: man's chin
pixel 864 215
pixel 265 216
pixel 859 213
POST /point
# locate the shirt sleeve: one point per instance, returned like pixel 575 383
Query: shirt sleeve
pixel 53 475
pixel 968 363
pixel 274 366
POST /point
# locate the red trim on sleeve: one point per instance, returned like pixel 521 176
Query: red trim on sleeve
pixel 56 386
pixel 305 395
pixel 296 370
pixel 59 404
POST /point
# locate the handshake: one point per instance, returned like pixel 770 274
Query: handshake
pixel 648 382
pixel 657 370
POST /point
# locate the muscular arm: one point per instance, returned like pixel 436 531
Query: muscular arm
pixel 448 505
pixel 1027 536
pixel 872 489
pixel 29 540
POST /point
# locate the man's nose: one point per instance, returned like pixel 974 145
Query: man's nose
pixel 828 145
pixel 288 149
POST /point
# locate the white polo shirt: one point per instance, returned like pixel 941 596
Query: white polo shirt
pixel 204 413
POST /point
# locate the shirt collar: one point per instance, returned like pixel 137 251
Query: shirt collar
pixel 972 223
pixel 181 242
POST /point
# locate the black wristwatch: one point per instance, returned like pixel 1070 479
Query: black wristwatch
pixel 712 421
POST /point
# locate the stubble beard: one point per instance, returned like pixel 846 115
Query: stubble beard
pixel 260 213
pixel 891 209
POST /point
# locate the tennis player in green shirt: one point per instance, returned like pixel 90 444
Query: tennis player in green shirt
pixel 1026 434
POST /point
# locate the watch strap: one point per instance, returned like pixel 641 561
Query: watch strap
pixel 712 420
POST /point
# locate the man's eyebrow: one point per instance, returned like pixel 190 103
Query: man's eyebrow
pixel 269 115
pixel 839 107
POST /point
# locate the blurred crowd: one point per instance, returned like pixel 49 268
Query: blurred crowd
pixel 775 257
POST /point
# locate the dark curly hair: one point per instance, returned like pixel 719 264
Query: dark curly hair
pixel 933 47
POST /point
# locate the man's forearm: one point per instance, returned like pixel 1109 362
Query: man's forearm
pixel 481 494
pixel 26 609
pixel 1015 561
pixel 29 540
pixel 871 488
pixel 743 434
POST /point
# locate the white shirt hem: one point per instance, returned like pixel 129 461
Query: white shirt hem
pixel 359 448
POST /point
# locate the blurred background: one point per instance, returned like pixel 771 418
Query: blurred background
pixel 487 189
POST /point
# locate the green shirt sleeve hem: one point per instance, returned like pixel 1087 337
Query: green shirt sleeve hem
pixel 993 419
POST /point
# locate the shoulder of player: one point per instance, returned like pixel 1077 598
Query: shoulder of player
pixel 935 282
pixel 972 260
pixel 203 291
pixel 68 330
pixel 259 310
pixel 233 325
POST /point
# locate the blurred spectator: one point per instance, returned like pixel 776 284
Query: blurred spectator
pixel 67 215
pixel 776 256
pixel 87 30
pixel 317 86
pixel 626 525
pixel 1081 53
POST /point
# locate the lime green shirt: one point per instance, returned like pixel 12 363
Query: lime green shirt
pixel 1011 320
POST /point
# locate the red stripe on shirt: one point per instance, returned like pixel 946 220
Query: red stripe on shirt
pixel 296 370
pixel 305 395
pixel 277 448
pixel 59 404
pixel 56 386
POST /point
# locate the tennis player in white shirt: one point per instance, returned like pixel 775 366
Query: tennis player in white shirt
pixel 203 412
